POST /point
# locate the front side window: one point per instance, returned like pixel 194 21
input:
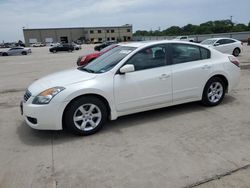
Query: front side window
pixel 222 41
pixel 182 53
pixel 208 42
pixel 150 57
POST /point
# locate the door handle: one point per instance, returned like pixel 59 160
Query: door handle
pixel 164 76
pixel 206 67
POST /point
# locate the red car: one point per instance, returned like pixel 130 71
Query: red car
pixel 83 60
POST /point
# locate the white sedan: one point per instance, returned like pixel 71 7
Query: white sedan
pixel 225 45
pixel 16 51
pixel 130 78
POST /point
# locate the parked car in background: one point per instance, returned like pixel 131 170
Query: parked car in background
pixel 76 46
pixel 130 78
pixel 38 44
pixel 184 38
pixel 62 47
pixel 16 51
pixel 104 45
pixel 53 44
pixel 83 60
pixel 225 45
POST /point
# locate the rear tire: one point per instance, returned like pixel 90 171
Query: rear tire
pixel 213 92
pixel 236 52
pixel 85 116
pixel 4 54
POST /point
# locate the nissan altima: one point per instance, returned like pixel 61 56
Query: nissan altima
pixel 130 78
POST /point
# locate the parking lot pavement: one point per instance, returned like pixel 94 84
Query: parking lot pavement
pixel 244 57
pixel 181 146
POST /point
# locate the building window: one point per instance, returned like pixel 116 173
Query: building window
pixel 128 30
pixel 107 31
pixel 91 31
pixel 108 39
pixel 112 30
pixel 99 39
pixel 113 38
pixel 99 31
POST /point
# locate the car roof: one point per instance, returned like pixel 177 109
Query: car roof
pixel 219 38
pixel 149 43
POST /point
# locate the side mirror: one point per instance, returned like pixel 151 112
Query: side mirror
pixel 216 44
pixel 127 68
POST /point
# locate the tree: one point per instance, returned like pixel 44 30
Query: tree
pixel 210 27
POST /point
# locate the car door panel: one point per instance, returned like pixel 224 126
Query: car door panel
pixel 143 88
pixel 189 78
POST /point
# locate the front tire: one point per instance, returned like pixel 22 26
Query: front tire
pixel 85 116
pixel 213 92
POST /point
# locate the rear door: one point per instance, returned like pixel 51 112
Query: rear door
pixel 225 46
pixel 191 67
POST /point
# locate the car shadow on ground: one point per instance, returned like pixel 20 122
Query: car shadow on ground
pixel 34 137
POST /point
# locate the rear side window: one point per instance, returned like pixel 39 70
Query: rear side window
pixel 182 53
pixel 205 53
pixel 229 41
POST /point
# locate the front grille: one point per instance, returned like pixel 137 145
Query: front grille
pixel 27 95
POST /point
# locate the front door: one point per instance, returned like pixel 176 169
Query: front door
pixel 150 84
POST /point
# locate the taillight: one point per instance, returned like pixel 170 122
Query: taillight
pixel 234 60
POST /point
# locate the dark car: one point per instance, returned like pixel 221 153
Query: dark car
pixel 104 45
pixel 62 47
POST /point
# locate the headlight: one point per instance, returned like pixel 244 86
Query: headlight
pixel 46 96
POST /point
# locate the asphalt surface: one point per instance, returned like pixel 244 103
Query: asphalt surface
pixel 182 146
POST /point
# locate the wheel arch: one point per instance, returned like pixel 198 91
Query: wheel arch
pixel 238 49
pixel 100 97
pixel 223 78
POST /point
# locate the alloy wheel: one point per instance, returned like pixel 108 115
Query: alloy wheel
pixel 215 92
pixel 87 117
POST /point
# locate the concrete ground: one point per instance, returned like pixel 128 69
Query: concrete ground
pixel 182 146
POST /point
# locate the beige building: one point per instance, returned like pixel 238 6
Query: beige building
pixel 85 34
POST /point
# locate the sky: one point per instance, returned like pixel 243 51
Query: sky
pixel 142 14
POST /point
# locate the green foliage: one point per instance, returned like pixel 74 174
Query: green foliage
pixel 218 26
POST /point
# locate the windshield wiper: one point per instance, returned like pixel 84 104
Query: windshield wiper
pixel 87 70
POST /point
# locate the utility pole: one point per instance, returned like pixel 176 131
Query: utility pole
pixel 231 18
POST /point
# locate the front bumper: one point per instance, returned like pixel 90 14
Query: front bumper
pixel 43 117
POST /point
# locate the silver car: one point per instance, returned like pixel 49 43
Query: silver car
pixel 17 51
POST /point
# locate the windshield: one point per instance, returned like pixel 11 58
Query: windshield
pixel 108 60
pixel 208 41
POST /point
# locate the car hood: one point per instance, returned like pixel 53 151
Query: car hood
pixel 63 79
